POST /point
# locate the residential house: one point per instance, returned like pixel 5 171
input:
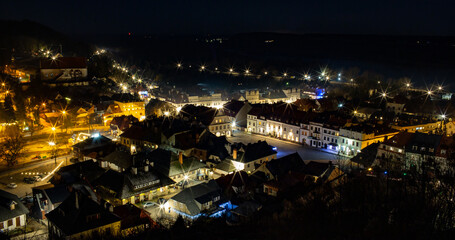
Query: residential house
pixel 205 199
pixel 425 152
pixel 237 111
pixel 93 148
pixel 392 152
pixel 47 197
pixel 120 124
pixel 80 217
pixel 221 124
pixel 81 172
pixel 278 167
pixel 280 185
pixel 253 155
pixel 13 213
pixel 178 167
pixel 133 219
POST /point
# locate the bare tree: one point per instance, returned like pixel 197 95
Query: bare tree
pixel 12 146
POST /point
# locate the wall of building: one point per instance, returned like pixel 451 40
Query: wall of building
pixel 13 223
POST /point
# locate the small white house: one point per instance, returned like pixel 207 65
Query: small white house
pixel 12 212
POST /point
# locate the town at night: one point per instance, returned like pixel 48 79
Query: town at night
pixel 227 120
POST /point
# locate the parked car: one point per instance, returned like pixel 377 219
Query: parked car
pixel 29 180
pixel 27 199
pixel 12 185
pixel 37 178
pixel 148 204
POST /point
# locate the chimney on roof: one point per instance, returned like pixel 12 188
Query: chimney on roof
pixel 181 157
pixel 234 154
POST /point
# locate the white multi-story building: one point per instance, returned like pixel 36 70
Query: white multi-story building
pixel 221 124
pixel 354 138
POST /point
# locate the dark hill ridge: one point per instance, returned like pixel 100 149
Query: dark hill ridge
pixel 26 36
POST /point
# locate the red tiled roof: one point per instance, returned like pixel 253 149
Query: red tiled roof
pixel 63 62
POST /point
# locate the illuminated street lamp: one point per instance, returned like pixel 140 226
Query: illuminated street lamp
pixel 265 73
pixel 285 74
pixel 53 129
pixel 166 113
pixel 179 65
pixel 429 92
pixel 202 68
pixel 247 71
pixel 64 112
pixel 51 143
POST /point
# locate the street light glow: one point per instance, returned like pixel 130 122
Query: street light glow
pixel 51 143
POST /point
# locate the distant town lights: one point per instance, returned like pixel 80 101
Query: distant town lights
pixel 166 113
pixel 51 143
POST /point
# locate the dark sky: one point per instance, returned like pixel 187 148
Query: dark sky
pixel 405 17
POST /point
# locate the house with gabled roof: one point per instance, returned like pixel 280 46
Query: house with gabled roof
pixel 80 216
pixel 13 213
pixel 47 197
pixel 253 156
pixel 279 167
pixel 205 199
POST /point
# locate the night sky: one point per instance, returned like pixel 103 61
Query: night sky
pixel 405 17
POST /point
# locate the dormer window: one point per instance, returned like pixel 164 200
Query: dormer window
pixel 431 150
pixel 12 206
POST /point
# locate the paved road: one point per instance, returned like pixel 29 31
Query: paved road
pixel 17 175
pixel 284 147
